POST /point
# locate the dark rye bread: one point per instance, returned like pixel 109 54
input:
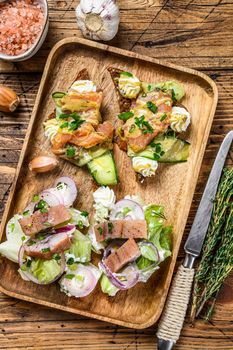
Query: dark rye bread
pixel 124 106
pixel 124 103
pixel 83 75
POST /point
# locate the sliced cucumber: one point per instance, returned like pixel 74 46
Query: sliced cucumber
pixel 83 159
pixel 87 155
pixel 97 151
pixel 175 150
pixel 177 88
pixel 58 95
pixel 103 169
pixel 178 153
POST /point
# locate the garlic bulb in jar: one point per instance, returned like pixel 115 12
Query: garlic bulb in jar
pixel 98 19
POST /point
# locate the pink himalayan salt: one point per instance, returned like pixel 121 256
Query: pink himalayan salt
pixel 21 22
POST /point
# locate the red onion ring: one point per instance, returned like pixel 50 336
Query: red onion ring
pixel 30 276
pixel 114 277
pixel 68 229
pixel 90 283
pixel 71 184
pixel 127 203
pixel 111 247
pixel 51 197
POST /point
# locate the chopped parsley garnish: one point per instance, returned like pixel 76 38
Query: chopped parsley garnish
pixel 12 227
pixel 23 267
pixel 70 151
pixel 156 156
pixel 149 87
pixel 174 96
pixel 152 107
pixel 132 128
pixel 170 133
pixel 127 74
pixel 125 211
pixel 28 262
pixel 41 237
pixel 25 213
pixel 64 125
pixel 143 125
pixel 158 150
pixel 100 230
pixel 60 185
pixel 125 116
pixel 157 147
pixel 84 213
pixel 45 250
pixel 80 224
pixel 163 116
pixel 23 238
pixel 31 242
pixel 35 198
pixel 79 278
pixel 70 261
pixel 47 224
pixel 56 257
pixel 110 227
pixel 75 124
pixel 42 206
pixel 69 276
pixel 144 94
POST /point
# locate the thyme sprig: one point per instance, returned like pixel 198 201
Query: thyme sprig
pixel 217 258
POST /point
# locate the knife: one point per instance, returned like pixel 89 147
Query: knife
pixel 175 309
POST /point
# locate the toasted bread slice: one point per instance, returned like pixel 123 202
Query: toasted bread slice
pixel 124 103
pixel 83 75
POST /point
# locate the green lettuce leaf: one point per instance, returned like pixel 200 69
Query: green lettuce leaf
pixel 45 270
pixel 107 287
pixel 148 252
pixel 159 235
pixel 80 248
pixel 15 238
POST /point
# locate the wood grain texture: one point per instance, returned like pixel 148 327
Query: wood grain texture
pixel 193 31
pixel 24 326
pixel 141 306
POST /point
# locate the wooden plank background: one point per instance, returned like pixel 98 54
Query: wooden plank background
pixel 197 34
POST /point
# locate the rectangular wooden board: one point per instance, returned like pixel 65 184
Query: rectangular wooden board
pixel 173 186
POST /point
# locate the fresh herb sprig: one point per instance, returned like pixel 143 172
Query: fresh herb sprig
pixel 158 151
pixel 217 258
pixel 152 107
pixel 143 125
pixel 73 124
pixel 125 115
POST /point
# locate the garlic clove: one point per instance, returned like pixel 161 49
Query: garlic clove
pixel 98 19
pixel 42 164
pixel 8 99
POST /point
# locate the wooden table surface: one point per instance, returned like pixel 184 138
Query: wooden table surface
pixel 197 34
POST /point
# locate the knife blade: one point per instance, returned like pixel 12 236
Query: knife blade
pixel 200 225
pixel 171 322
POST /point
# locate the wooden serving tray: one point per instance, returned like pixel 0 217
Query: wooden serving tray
pixel 173 186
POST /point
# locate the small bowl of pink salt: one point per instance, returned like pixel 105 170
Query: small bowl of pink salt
pixel 23 28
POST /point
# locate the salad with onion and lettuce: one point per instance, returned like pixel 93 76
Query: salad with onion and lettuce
pixel 53 241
